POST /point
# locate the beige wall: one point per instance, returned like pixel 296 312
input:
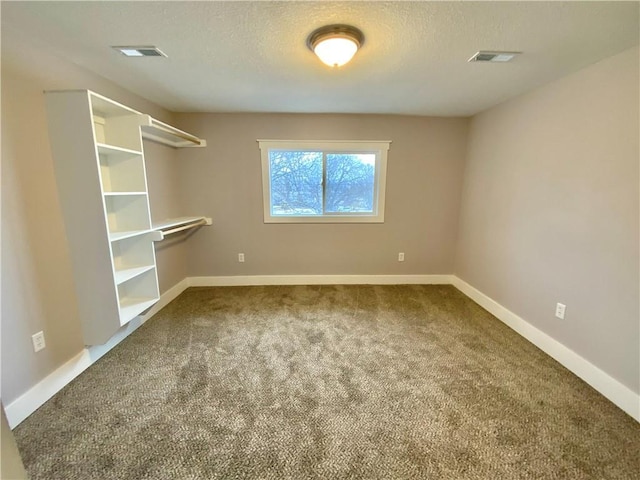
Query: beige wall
pixel 37 285
pixel 424 177
pixel 550 211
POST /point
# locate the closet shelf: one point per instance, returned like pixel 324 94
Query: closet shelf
pixel 179 224
pixel 123 275
pixel 115 236
pixel 160 132
pixel 105 149
pixel 131 307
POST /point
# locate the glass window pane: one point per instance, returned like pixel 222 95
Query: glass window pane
pixel 296 183
pixel 350 182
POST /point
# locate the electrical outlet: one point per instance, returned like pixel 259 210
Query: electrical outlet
pixel 241 257
pixel 38 341
pixel 560 308
pixel 401 257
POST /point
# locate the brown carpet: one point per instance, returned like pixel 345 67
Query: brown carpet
pixel 328 382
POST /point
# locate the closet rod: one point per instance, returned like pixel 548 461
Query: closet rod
pixel 184 227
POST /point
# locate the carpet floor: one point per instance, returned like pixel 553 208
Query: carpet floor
pixel 328 382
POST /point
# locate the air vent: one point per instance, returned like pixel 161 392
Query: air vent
pixel 147 51
pixel 499 57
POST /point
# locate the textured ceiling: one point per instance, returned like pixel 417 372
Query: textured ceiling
pixel 251 56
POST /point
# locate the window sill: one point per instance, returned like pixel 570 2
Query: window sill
pixel 327 219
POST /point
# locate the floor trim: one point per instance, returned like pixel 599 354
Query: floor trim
pixel 320 280
pixel 36 396
pixel 616 392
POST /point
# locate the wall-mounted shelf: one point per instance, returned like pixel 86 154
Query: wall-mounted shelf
pixel 179 224
pixel 160 132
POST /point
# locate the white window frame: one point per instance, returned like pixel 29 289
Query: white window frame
pixel 379 148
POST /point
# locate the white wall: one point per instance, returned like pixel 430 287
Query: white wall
pixel 550 212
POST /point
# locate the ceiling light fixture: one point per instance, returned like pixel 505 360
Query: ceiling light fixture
pixel 335 45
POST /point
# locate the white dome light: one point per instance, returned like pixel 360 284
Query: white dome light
pixel 335 45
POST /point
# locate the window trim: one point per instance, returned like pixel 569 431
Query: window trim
pixel 379 148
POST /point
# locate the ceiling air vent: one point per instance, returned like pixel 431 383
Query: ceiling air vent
pixel 147 51
pixel 483 56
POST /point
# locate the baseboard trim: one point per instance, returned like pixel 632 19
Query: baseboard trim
pixel 616 392
pixel 252 280
pixel 35 397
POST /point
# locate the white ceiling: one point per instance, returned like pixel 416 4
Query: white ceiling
pixel 252 56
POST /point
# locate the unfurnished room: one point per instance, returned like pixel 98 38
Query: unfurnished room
pixel 320 240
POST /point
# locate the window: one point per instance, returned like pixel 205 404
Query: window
pixel 323 181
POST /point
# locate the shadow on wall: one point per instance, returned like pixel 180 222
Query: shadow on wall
pixel 11 465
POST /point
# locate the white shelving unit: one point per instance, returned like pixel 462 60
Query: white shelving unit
pixel 100 169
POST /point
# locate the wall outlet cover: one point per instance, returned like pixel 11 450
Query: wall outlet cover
pixel 38 341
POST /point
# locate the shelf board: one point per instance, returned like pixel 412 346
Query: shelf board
pixel 123 194
pixel 105 149
pixel 160 132
pixel 125 274
pixel 131 307
pixel 115 236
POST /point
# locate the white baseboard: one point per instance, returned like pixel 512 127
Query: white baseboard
pixel 32 399
pixel 319 280
pixel 616 392
pixel 35 397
